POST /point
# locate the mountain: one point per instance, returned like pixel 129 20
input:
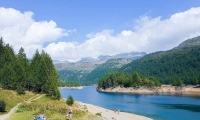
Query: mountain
pixel 131 55
pixel 190 42
pixel 57 61
pixel 181 62
pixel 84 70
pixel 85 64
pixel 75 71
pixel 111 65
pixel 104 57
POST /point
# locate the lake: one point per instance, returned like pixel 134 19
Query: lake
pixel 158 107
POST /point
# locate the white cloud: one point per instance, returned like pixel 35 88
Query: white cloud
pixel 126 32
pixel 21 30
pixel 149 35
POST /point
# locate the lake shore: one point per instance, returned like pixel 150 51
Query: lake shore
pixel 64 88
pixel 164 89
pixel 107 114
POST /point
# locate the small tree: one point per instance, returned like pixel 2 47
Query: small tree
pixel 177 82
pixel 20 90
pixel 2 105
pixel 70 100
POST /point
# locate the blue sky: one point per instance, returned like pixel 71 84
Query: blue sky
pixel 85 28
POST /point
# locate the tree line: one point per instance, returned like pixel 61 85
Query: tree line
pixel 68 84
pixel 125 80
pixel 20 74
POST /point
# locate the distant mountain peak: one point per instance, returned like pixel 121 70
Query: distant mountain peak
pixel 87 59
pixel 129 55
pixel 103 57
pixel 190 42
pixel 57 62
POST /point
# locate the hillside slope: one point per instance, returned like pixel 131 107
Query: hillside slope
pixel 182 62
pixel 87 71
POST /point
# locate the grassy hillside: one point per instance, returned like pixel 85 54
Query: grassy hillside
pixel 53 109
pixel 12 98
pixel 33 104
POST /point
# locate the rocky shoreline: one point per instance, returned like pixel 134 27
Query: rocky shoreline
pixel 164 89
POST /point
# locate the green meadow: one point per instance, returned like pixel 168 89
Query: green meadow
pixel 33 104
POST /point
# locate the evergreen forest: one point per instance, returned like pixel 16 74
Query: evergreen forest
pixel 68 84
pixel 181 64
pixel 125 80
pixel 178 66
pixel 20 74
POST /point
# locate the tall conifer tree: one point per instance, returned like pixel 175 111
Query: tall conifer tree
pixel 8 74
pixel 35 72
pixel 24 65
pixel 2 54
pixel 51 84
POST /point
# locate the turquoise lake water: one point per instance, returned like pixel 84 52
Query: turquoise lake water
pixel 158 107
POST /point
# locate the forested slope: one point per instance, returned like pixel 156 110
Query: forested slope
pixel 109 66
pixel 182 62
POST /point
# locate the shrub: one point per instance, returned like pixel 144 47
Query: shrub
pixel 2 105
pixel 98 114
pixel 199 80
pixel 70 100
pixel 20 90
pixel 177 82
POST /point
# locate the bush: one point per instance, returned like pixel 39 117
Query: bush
pixel 2 106
pixel 199 80
pixel 20 90
pixel 177 82
pixel 98 114
pixel 70 100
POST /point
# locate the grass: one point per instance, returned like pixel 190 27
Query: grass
pixel 53 110
pixel 12 98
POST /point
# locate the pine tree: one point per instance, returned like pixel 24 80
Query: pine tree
pixel 44 75
pixel 35 72
pixel 8 76
pixel 24 65
pixel 70 100
pixel 2 54
pixel 51 84
pixel 17 73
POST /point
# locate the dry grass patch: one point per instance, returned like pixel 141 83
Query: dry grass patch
pixel 53 110
pixel 12 98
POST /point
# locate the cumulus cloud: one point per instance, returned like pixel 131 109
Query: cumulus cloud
pixel 21 30
pixel 148 35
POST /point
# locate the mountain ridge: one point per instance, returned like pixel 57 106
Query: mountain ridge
pixel 181 62
pixel 80 70
pixel 195 41
pixel 178 62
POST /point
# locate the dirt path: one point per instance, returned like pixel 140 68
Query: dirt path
pixel 6 116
